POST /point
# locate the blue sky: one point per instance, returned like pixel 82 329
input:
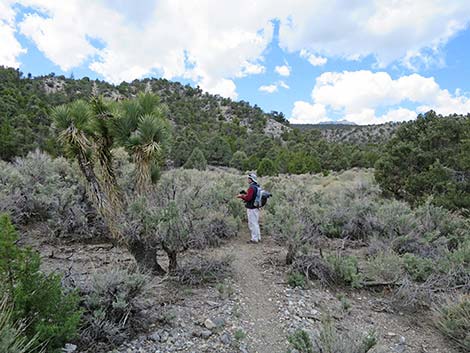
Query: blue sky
pixel 315 60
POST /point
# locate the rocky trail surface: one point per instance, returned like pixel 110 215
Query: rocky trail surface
pixel 252 311
pixel 259 297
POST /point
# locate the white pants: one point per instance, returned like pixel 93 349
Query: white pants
pixel 253 223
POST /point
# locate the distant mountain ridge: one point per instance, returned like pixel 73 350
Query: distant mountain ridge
pixel 340 131
pixel 336 122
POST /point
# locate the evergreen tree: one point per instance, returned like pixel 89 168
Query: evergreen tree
pixel 7 141
pixel 266 167
pixel 181 152
pixel 196 160
pixel 51 313
pixel 238 160
pixel 219 152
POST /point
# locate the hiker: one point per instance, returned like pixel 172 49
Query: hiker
pixel 252 211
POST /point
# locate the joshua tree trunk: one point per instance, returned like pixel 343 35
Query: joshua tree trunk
pixel 172 258
pixel 145 256
pixel 96 192
pixel 291 253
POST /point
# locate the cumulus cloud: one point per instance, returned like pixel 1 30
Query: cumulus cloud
pixel 358 94
pixel 388 30
pixel 10 48
pixel 220 40
pixel 283 70
pixel 306 113
pixel 210 47
pixel 312 58
pixel 273 87
pixel 268 88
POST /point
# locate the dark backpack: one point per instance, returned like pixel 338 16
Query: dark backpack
pixel 262 197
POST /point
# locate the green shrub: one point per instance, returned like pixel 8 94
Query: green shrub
pixel 453 320
pixel 52 313
pixel 301 341
pixel 296 279
pixel 386 267
pixel 418 268
pixel 329 340
pixel 239 335
pixel 346 268
pixel 38 188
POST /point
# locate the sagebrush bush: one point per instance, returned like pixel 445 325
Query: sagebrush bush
pixel 200 271
pixel 51 312
pixel 40 188
pixel 346 268
pixel 330 340
pixel 187 209
pixel 111 305
pixel 453 320
pixel 418 268
pixel 384 267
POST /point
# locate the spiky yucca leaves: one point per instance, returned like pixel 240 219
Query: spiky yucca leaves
pixel 74 124
pixel 102 123
pixel 12 337
pixel 143 129
pixel 148 144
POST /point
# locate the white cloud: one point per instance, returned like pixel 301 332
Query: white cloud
pixel 273 87
pixel 283 70
pixel 358 94
pixel 268 88
pixel 312 58
pixel 251 69
pixel 368 116
pixel 283 84
pixel 388 30
pixel 306 113
pixel 208 42
pixel 10 48
pixel 210 46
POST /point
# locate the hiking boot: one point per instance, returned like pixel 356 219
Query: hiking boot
pixel 252 242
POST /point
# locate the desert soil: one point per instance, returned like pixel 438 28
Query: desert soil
pixel 252 311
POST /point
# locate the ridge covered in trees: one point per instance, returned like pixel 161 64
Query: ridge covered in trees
pixel 224 130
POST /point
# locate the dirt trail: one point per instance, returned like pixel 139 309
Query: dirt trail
pixel 258 297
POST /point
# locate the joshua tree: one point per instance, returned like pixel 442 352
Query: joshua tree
pixel 142 128
pixel 74 123
pixel 89 131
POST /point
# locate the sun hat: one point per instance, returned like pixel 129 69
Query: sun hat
pixel 253 177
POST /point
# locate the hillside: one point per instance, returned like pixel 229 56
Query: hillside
pixel 228 133
pixel 356 134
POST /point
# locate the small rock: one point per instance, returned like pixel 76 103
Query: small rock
pixel 391 334
pixel 243 349
pixel 164 336
pixel 155 337
pixel 209 324
pixel 225 339
pixel 219 321
pixel 206 333
pixel 69 348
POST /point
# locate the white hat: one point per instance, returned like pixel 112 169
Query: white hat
pixel 253 177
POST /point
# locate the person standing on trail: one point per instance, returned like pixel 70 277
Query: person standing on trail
pixel 252 211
